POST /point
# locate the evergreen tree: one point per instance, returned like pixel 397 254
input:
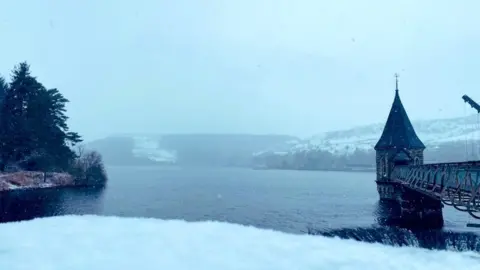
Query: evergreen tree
pixel 3 88
pixel 33 126
pixel 51 136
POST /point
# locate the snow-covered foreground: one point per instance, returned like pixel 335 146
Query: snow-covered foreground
pixel 91 242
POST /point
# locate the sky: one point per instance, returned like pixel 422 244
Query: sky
pixel 295 67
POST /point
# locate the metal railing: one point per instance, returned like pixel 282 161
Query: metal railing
pixel 456 184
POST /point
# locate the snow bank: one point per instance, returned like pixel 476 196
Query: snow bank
pixel 90 242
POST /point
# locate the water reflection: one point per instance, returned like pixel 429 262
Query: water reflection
pixel 25 205
pixel 389 230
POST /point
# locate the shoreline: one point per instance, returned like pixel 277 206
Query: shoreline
pixel 34 180
pixel 317 170
pixel 30 188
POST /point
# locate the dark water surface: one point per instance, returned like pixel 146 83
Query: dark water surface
pixel 343 204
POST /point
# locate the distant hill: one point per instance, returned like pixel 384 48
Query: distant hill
pixel 446 140
pixel 186 149
pixel 453 139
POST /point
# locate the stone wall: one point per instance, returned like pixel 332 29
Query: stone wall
pixel 379 155
pixel 416 154
pixel 387 191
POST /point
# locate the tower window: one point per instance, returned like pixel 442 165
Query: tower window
pixel 416 161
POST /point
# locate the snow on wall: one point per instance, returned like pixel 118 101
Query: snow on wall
pixel 149 147
pixel 92 242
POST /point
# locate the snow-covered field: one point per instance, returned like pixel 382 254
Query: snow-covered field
pixel 91 242
pixel 148 147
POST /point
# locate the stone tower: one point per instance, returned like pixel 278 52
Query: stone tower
pixel 398 145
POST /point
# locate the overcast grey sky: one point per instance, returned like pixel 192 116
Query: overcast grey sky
pixel 252 66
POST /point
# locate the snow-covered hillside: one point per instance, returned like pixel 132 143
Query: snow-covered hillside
pixel 237 150
pixel 186 149
pixel 149 147
pixel 344 142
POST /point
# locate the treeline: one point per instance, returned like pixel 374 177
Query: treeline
pixel 316 160
pixel 34 135
pixel 359 159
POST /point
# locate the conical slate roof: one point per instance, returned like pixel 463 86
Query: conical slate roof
pixel 398 132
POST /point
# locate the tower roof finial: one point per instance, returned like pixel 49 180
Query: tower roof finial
pixel 396 81
pixel 398 132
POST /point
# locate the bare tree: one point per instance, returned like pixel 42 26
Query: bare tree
pixel 88 168
pixel 80 150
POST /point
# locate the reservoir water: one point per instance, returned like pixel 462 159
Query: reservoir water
pixel 343 204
